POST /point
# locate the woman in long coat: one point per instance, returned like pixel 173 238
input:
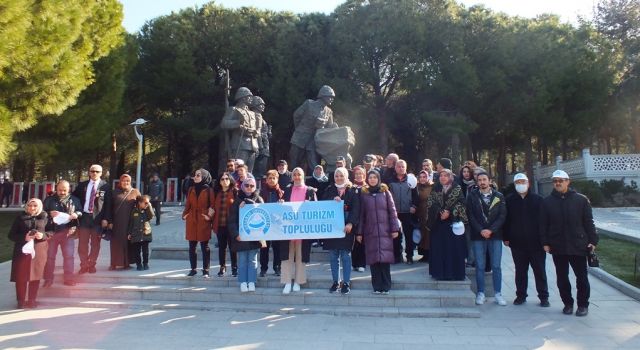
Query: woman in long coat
pixel 26 271
pixel 378 227
pixel 225 193
pixel 340 248
pixel 198 212
pixel 124 199
pixel 358 260
pixel 448 251
pixel 296 253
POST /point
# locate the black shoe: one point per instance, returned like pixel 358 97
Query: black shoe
pixel 205 273
pixel 83 270
pixel 263 273
pixel 346 289
pixel 519 301
pixel 234 272
pixel 92 269
pixel 157 223
pixel 276 272
pixel 334 287
pixel 221 273
pixel 582 311
pixel 192 273
pixel 145 266
pixel 544 303
pixel 138 267
pixel 47 284
pixel 424 259
pixel 69 283
pixel 567 310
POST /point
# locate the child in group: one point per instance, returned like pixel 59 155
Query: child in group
pixel 140 231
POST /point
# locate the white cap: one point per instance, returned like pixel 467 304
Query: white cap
pixel 520 176
pixel 458 228
pixel 560 174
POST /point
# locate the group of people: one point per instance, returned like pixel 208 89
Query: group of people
pixel 462 220
pixel 90 213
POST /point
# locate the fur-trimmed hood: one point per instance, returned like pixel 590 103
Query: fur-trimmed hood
pixel 383 188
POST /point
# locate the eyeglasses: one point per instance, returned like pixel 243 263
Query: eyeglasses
pixel 558 181
pixel 95 171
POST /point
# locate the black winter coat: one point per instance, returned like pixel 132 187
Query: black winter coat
pixel 233 223
pixel 482 216
pixel 22 266
pixel 306 243
pixel 566 223
pixel 522 227
pixel 351 199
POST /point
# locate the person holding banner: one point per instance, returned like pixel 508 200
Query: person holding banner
pixel 271 193
pixel 378 227
pixel 225 193
pixel 247 250
pixel 197 213
pixel 296 252
pixel 340 248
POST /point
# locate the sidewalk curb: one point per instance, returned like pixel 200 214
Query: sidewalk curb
pixel 615 282
pixel 617 235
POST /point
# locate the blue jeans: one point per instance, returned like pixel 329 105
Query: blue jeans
pixel 337 257
pixel 480 248
pixel 248 265
pixel 67 246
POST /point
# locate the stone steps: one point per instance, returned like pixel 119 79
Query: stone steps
pixel 358 311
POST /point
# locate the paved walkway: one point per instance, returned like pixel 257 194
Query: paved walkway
pixel 613 323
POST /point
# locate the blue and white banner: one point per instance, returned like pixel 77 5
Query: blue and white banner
pixel 292 220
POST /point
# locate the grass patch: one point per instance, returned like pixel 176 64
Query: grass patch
pixel 6 245
pixel 617 257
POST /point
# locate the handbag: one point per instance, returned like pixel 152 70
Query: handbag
pixel 106 234
pixel 147 228
pixel 593 260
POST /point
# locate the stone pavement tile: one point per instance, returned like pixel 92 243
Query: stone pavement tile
pixel 349 345
pixel 584 340
pixel 402 339
pixel 486 331
pixel 468 347
pixel 518 340
pixel 420 328
pixel 462 340
pixel 284 344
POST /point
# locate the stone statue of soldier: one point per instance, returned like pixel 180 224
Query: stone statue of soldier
pixel 307 119
pixel 257 106
pixel 241 125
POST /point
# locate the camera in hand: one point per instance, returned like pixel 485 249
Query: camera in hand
pixel 592 259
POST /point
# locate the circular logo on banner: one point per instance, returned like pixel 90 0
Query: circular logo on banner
pixel 257 219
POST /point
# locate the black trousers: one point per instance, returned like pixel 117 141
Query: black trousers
pixel 521 260
pixel 157 207
pixel 21 289
pixel 206 255
pixel 141 248
pixel 264 256
pixel 358 258
pixel 579 265
pixel 381 276
pixel 407 228
pixel 223 245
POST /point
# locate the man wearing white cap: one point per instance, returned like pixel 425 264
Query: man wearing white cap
pixel 522 235
pixel 568 233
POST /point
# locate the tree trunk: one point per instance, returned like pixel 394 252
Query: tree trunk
pixel 455 151
pixel 383 132
pixel 170 158
pixel 528 158
pixel 635 134
pixel 113 163
pixel 501 164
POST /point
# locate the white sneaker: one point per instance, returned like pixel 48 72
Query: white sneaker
pixel 500 300
pixel 287 288
pixel 296 287
pixel 252 287
pixel 243 287
pixel 360 269
pixel 480 299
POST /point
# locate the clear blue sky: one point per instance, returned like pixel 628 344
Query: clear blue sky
pixel 137 12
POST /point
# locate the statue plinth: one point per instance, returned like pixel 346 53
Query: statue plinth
pixel 334 142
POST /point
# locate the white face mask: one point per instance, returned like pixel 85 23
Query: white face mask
pixel 522 188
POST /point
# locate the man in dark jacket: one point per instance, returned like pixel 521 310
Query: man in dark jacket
pixel 155 190
pixel 568 233
pixel 60 205
pixel 487 212
pixel 401 192
pixel 284 178
pixel 522 235
pixel 95 201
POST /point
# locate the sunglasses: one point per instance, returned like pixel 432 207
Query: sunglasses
pixel 95 171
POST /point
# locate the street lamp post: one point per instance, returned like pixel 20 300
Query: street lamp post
pixel 139 136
